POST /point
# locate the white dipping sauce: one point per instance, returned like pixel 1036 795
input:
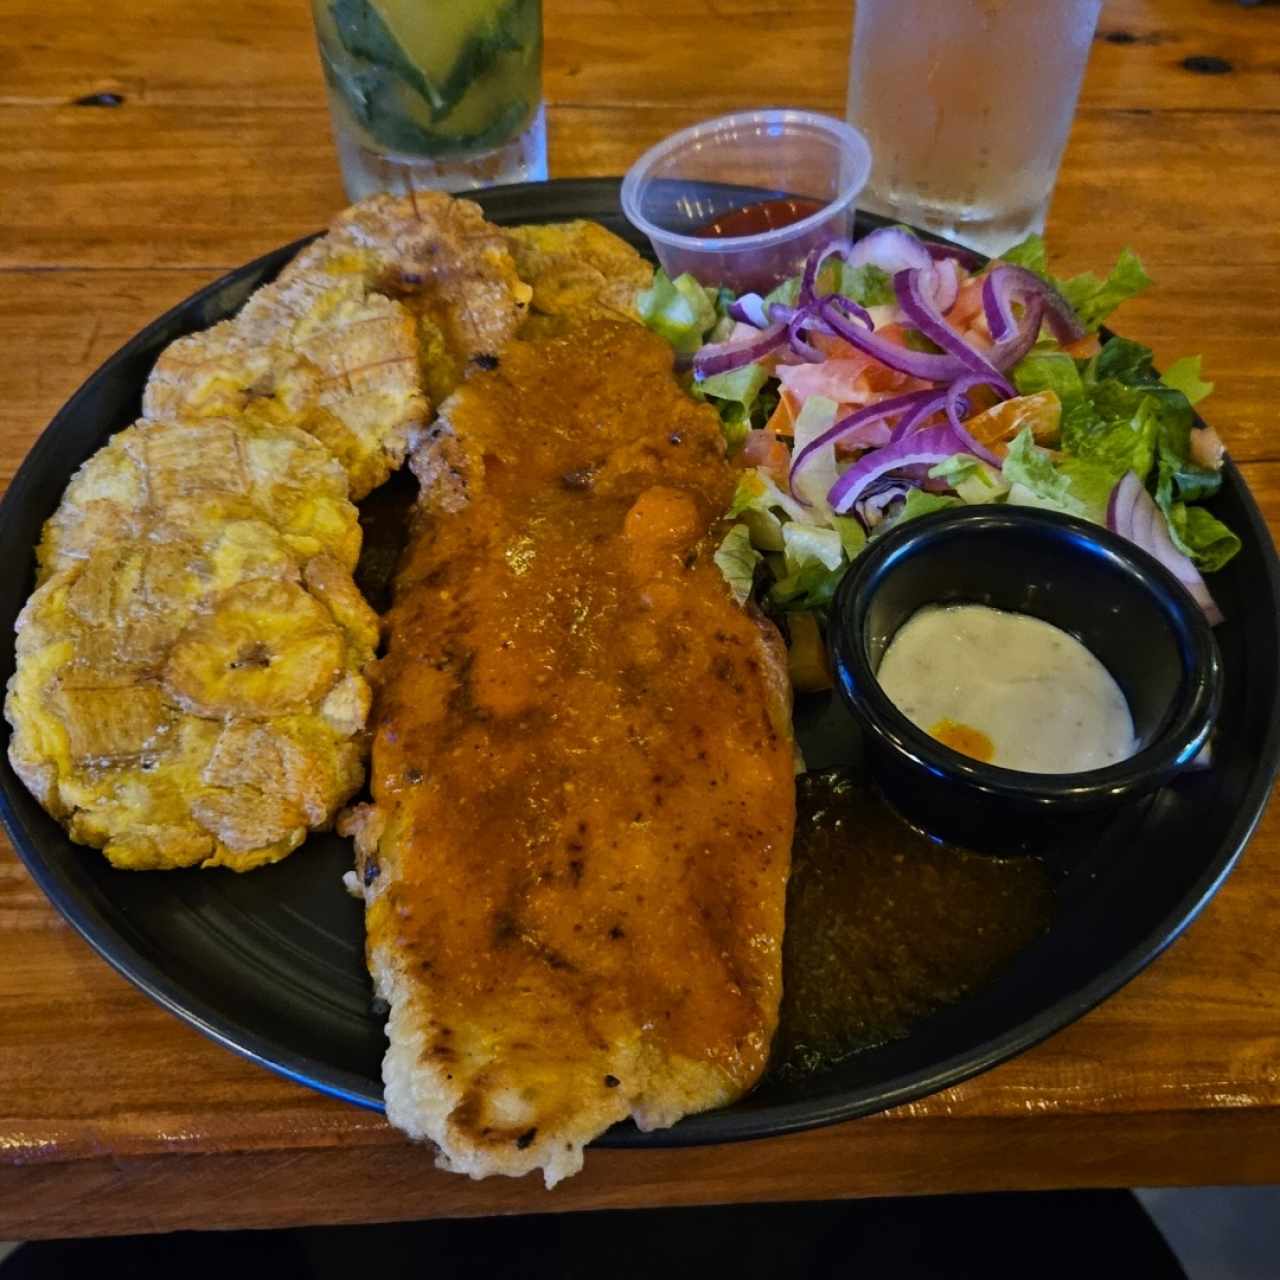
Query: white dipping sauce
pixel 1008 689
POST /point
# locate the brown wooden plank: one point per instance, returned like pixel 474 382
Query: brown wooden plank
pixel 603 52
pixel 881 1156
pixel 160 186
pixel 113 1115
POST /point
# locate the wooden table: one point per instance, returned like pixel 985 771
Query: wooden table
pixel 146 146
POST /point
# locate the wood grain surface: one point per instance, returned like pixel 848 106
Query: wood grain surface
pixel 114 1116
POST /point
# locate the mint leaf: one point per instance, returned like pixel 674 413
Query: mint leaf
pixel 364 34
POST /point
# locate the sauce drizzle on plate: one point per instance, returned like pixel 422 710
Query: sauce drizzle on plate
pixel 885 926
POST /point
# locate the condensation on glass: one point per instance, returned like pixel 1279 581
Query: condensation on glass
pixel 967 105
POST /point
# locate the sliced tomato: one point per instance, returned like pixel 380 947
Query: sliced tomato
pixel 967 306
pixel 839 380
pixel 764 449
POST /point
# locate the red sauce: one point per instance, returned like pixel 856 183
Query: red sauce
pixel 752 219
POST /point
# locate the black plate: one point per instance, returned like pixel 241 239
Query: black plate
pixel 271 964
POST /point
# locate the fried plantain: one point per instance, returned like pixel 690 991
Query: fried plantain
pixel 190 683
pixel 440 257
pixel 579 272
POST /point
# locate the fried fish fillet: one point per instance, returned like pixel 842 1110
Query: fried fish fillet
pixel 190 684
pixel 441 258
pixel 576 858
pixel 579 272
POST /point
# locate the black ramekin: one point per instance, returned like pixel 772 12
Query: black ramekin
pixel 1124 606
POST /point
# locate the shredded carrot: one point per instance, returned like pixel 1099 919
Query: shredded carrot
pixel 782 422
pixel 833 347
pixel 1083 348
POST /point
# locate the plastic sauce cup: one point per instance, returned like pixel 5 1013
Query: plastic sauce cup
pixel 677 189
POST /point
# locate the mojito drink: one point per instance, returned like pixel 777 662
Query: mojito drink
pixel 434 93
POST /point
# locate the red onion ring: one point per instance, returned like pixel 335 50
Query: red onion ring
pixel 805 350
pixel 892 250
pixel 1120 504
pixel 724 357
pixel 1133 514
pixel 1004 355
pixel 967 258
pixel 945 285
pixel 919 364
pixel 877 497
pixel 910 286
pixel 933 445
pixel 857 424
pixel 934 401
pixel 839 248
pixel 1006 284
pixel 750 310
pixel 954 393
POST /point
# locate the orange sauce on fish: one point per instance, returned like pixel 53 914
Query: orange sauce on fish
pixel 583 745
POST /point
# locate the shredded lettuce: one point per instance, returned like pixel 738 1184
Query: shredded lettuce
pixel 1126 361
pixel 805 544
pixel 1116 427
pixel 1050 371
pixel 810 588
pixel 1195 532
pixel 1031 254
pixel 853 537
pixel 973 480
pixel 1125 392
pixel 815 547
pixel 1184 375
pixel 1078 486
pixel 1094 299
pixel 736 559
pixel 734 396
pixel 1201 535
pixel 787 293
pixel 680 310
pixel 757 502
pixel 920 502
pixel 757 491
pixel 868 285
pixel 819 471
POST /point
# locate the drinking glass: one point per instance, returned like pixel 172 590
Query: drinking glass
pixel 434 93
pixel 967 105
